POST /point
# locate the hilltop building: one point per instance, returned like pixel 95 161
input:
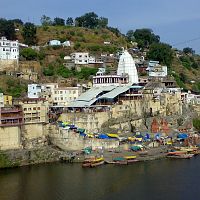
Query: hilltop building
pixel 9 50
pixel 126 73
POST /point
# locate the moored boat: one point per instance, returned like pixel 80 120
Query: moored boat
pixel 120 161
pixel 179 154
pixel 131 159
pixel 87 162
pixel 96 162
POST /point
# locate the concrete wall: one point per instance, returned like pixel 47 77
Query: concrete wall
pixel 10 138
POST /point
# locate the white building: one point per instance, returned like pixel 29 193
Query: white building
pixel 127 66
pixel 63 95
pixel 34 90
pixel 126 73
pixel 54 43
pixel 80 58
pixel 9 50
pixel 156 70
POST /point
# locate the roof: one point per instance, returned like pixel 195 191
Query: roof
pixel 89 97
pixel 118 90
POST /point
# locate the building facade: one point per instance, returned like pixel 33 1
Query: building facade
pixel 80 58
pixel 9 50
pixel 63 95
pixel 35 110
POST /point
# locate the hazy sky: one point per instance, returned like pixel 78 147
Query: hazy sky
pixel 176 21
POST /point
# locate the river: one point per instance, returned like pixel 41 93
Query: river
pixel 153 180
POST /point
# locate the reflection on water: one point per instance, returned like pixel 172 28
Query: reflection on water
pixel 156 180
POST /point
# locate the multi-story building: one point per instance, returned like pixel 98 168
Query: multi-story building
pixel 9 50
pixel 63 95
pixel 156 70
pixel 11 116
pixel 80 58
pixel 35 109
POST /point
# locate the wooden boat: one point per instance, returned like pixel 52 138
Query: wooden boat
pixel 97 162
pixel 120 161
pixel 131 159
pixel 87 162
pixel 179 154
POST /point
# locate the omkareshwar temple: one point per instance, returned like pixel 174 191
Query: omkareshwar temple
pixel 126 73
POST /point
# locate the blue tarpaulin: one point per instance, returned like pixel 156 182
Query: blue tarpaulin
pixel 102 136
pixel 182 135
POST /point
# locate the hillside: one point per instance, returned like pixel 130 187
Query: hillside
pixel 184 67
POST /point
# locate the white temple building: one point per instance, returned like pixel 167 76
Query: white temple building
pixel 126 73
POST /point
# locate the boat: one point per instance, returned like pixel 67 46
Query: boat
pixel 87 162
pixel 96 162
pixel 131 159
pixel 120 161
pixel 179 154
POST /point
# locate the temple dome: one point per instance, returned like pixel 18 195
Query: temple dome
pixel 127 66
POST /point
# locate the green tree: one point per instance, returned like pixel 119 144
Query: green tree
pixel 58 21
pixel 7 29
pixel 69 21
pixel 103 22
pixel 130 35
pixel 145 37
pixel 29 54
pixel 46 21
pixel 89 20
pixel 188 50
pixel 29 33
pixel 17 21
pixel 161 52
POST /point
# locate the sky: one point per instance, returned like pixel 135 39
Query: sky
pixel 176 21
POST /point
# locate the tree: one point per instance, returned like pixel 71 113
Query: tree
pixel 89 20
pixel 58 22
pixel 7 29
pixel 17 21
pixel 46 21
pixel 29 54
pixel 29 33
pixel 161 52
pixel 69 21
pixel 188 50
pixel 130 35
pixel 145 37
pixel 103 22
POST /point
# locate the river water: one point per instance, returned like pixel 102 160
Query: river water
pixel 153 180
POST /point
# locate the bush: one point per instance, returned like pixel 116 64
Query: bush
pixel 29 54
pixel 49 71
pixel 196 124
pixel 64 72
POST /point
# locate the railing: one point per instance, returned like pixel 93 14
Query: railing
pixel 10 111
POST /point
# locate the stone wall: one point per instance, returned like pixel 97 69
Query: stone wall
pixel 8 65
pixel 69 140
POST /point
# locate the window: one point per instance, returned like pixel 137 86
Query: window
pixel 55 98
pixel 55 92
pixel 61 92
pixel 61 98
pixel 25 109
pixel 38 108
pixel 34 108
pixel 29 108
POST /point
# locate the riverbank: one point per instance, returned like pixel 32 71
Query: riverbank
pixel 47 154
pixel 22 157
